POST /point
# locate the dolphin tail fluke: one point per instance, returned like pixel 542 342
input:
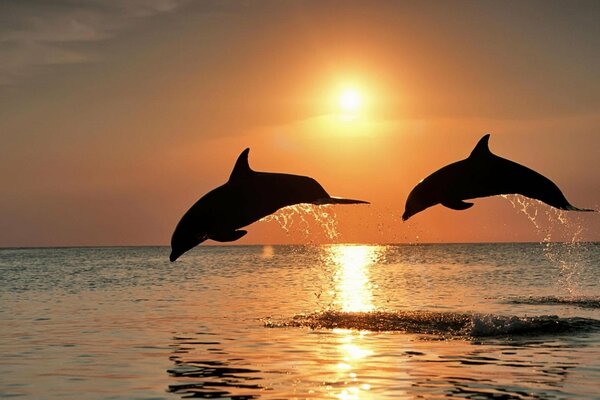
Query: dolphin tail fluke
pixel 339 200
pixel 573 208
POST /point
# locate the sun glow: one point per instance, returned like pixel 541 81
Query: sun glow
pixel 350 101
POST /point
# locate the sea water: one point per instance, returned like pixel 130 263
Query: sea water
pixel 478 321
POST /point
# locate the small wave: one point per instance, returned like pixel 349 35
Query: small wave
pixel 583 302
pixel 446 324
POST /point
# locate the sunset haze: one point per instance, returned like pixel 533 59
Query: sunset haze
pixel 115 117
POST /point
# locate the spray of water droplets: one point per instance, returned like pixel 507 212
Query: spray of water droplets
pixel 564 252
pixel 304 216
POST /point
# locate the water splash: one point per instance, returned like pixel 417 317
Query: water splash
pixel 302 216
pixel 450 325
pixel 561 238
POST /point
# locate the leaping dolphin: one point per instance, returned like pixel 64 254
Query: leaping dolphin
pixel 482 174
pixel 246 197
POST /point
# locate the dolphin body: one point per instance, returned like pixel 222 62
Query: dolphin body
pixel 246 197
pixel 482 174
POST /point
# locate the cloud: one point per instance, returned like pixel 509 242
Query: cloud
pixel 34 35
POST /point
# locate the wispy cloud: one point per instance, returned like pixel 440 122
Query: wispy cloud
pixel 34 34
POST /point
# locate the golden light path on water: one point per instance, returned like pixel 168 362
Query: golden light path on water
pixel 353 288
pixel 354 294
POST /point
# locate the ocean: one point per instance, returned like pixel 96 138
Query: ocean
pixel 475 321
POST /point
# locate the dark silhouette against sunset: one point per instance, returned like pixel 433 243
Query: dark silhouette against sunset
pixel 247 197
pixel 482 174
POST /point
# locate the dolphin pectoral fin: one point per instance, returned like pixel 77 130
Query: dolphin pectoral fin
pixel 227 236
pixel 457 204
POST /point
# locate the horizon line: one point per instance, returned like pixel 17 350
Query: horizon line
pixel 295 244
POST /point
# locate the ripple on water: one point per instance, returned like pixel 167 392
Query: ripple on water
pixel 582 302
pixel 211 378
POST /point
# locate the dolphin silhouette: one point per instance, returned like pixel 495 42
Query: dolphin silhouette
pixel 482 174
pixel 246 197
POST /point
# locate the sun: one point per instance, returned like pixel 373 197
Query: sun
pixel 350 101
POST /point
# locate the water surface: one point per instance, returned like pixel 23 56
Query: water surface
pixel 498 321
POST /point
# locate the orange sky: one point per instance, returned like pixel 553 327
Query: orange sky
pixel 115 118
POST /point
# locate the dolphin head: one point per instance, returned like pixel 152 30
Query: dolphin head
pixel 182 242
pixel 186 236
pixel 419 199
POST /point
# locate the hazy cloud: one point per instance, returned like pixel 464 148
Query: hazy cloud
pixel 38 34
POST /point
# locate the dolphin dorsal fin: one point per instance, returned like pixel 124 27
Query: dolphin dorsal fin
pixel 241 168
pixel 482 147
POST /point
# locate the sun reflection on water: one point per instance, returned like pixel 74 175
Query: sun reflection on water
pixel 353 291
pixel 353 287
pixel 353 355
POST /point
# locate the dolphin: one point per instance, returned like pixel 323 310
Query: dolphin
pixel 482 174
pixel 246 197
